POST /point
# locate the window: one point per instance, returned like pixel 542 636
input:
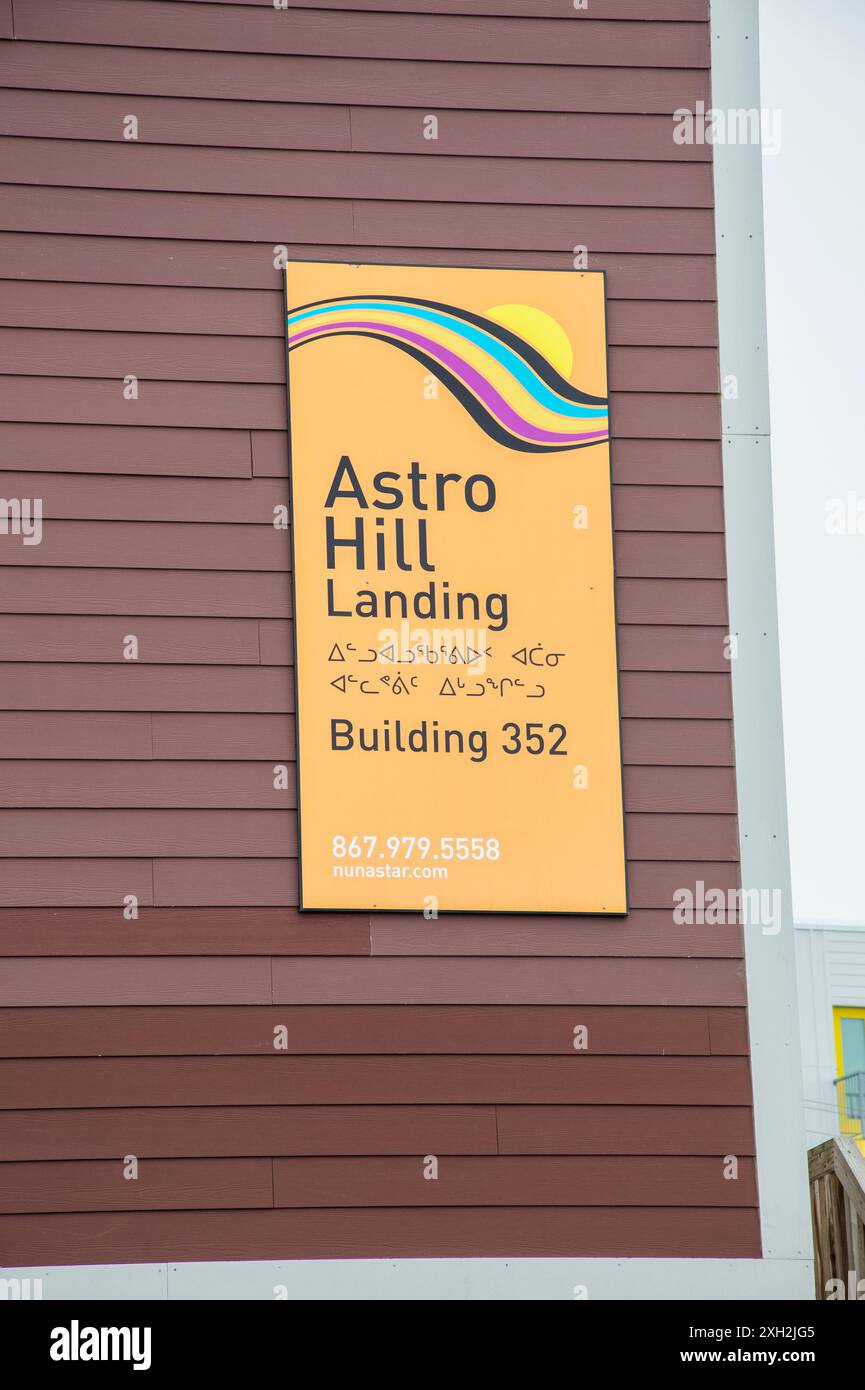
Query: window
pixel 850 1057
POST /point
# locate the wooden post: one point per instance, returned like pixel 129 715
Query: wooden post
pixel 837 1173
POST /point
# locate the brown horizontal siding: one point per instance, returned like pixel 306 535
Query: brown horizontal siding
pixel 237 266
pixel 216 28
pixel 552 1129
pixel 46 931
pixel 366 129
pixel 209 593
pixel 201 641
pixel 211 1184
pixel 385 1233
pixel 200 452
pixel 644 933
pixel 139 1081
pixel 675 648
pixel 50 981
pixel 478 1181
pixel 163 640
pixel 677 742
pixel 27 685
pixel 219 1131
pixel 117 498
pixel 316 174
pixel 415 224
pixel 154 1035
pixel 367 82
pixel 27 734
pixel 542 9
pixel 43 982
pixel 523 980
pixel 182 1031
pixel 671 601
pixel 321 174
pixel 75 882
pixel 159 1185
pixel 276 1130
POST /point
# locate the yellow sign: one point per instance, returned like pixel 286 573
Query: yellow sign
pixel 456 682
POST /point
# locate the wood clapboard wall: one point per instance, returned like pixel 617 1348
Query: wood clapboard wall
pixel 407 1038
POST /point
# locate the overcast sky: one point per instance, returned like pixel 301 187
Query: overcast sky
pixel 812 59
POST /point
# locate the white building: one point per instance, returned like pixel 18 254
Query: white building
pixel 830 963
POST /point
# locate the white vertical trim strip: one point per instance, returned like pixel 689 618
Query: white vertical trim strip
pixel 770 959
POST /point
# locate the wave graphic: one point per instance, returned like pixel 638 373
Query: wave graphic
pixel 512 392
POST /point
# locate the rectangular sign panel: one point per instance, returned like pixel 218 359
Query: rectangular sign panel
pixel 456 680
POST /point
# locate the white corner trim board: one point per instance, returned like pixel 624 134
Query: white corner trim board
pixel 770 957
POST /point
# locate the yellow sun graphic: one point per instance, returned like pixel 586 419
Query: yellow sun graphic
pixel 540 330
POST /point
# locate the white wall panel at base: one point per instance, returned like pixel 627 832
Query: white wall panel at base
pixel 53 1282
pixel 433 1280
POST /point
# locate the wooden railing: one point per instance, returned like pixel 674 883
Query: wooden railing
pixel 850 1093
pixel 836 1171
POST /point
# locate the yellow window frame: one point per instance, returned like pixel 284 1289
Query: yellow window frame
pixel 846 1125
